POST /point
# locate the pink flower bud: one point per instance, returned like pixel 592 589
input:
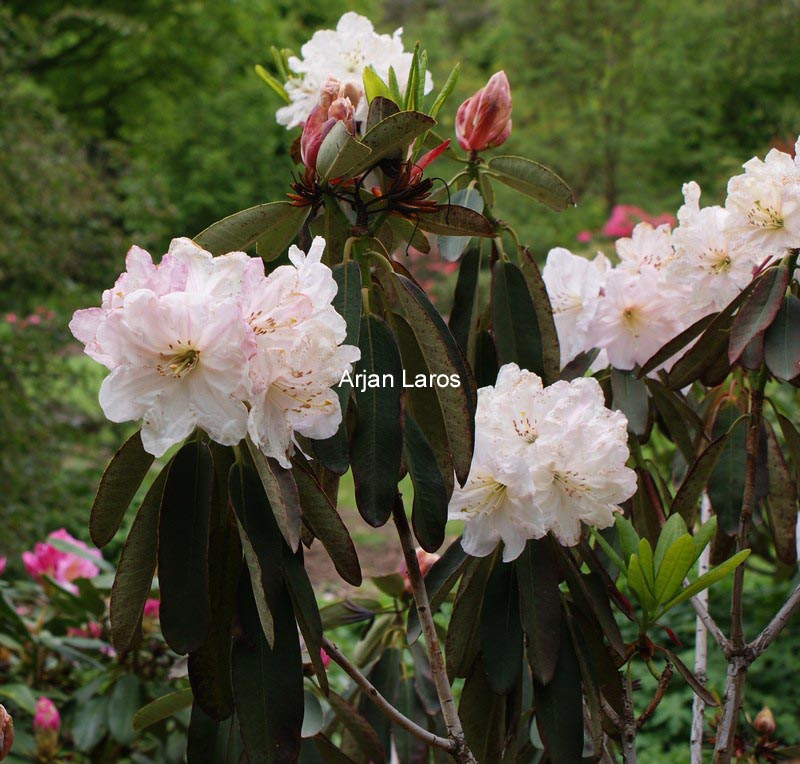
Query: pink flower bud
pixel 151 608
pixel 324 657
pixel 424 560
pixel 764 723
pixel 584 237
pixel 335 105
pixel 484 120
pixel 6 732
pixel 46 716
pixel 3 561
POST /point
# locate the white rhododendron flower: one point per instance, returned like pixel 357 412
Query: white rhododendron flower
pixel 574 285
pixel 713 266
pixel 647 246
pixel 533 472
pixel 214 343
pixel 343 54
pixel 764 205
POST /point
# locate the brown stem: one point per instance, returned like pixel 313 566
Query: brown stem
pixel 628 725
pixel 384 705
pixel 663 683
pixel 461 752
pixel 775 626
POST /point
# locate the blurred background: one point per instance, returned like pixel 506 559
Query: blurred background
pixel 134 121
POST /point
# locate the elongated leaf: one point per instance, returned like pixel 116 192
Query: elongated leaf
pixel 454 220
pixel 447 88
pixel 781 503
pixel 463 319
pixel 792 438
pixel 306 612
pixel 325 523
pixel 759 311
pixel 630 397
pixel 261 543
pixel 726 483
pixel 540 605
pixel 782 341
pixel 674 528
pixel 90 724
pixel 202 736
pixel 123 705
pixel 532 179
pixel 340 152
pixel 136 568
pixel 277 222
pixel 392 134
pixel 676 344
pixel 645 553
pixel 559 711
pixel 442 355
pixel 681 421
pixel 482 714
pixel 628 537
pixel 121 479
pixel 703 536
pixel 268 682
pixel 162 708
pixel 282 494
pixel 639 586
pixel 451 247
pixel 676 564
pixel 691 679
pixel 410 748
pixel 359 727
pixel 385 676
pixel 687 496
pixel 514 322
pixel 377 444
pixel 501 630
pixel 707 579
pixel 429 512
pixel 210 665
pixel 274 84
pixel 551 353
pixel 183 548
pixel 374 86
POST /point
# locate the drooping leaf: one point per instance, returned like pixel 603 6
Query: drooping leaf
pixel 501 630
pixel 691 679
pixel 261 543
pixel 551 352
pixel 162 708
pixel 540 606
pixel 121 479
pixel 681 421
pixel 514 322
pixel 482 714
pixel 326 524
pixel 391 135
pixel 454 220
pixel 792 438
pixel 275 224
pixel 377 444
pixel 359 727
pixel 442 355
pixel 136 567
pixel 532 179
pixel 463 319
pixel 676 344
pixel 183 548
pixel 340 152
pixel 313 715
pixel 759 311
pixel 123 704
pixel 690 490
pixel 782 341
pixel 781 502
pixel 282 494
pixel 268 681
pixel 630 397
pixel 451 247
pixel 210 664
pixel 410 748
pixel 429 512
pixel 726 482
pixel 385 676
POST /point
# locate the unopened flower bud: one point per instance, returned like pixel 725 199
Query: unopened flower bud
pixel 484 120
pixel 764 723
pixel 6 732
pixel 46 724
pixel 335 105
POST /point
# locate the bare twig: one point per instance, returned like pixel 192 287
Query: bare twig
pixel 628 725
pixel 663 683
pixel 452 723
pixel 384 705
pixel 775 626
pixel 700 605
pixel 701 646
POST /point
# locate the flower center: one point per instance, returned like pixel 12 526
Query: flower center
pixel 720 261
pixel 180 363
pixel 629 317
pixel 568 482
pixel 490 498
pixel 763 216
pixel 525 429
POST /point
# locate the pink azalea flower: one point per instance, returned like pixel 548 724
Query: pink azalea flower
pixel 34 319
pixel 584 237
pixel 151 608
pixel 11 318
pixel 3 561
pixel 46 716
pixel 62 567
pixel 326 659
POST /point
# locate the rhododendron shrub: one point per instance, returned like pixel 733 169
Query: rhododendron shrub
pixel 574 418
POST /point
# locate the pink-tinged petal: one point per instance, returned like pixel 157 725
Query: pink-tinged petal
pixel 169 421
pixel 129 391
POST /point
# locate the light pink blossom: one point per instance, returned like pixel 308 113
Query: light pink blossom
pixel 62 567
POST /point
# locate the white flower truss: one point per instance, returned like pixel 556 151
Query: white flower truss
pixel 213 342
pixel 343 54
pixel 546 460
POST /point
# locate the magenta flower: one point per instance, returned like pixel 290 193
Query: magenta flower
pixel 624 218
pixel 584 237
pixel 46 724
pixel 3 561
pixel 151 608
pixel 62 567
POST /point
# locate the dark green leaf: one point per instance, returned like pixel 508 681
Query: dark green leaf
pixel 759 311
pixel 268 682
pixel 136 568
pixel 454 220
pixel 691 679
pixel 792 438
pixel 514 322
pixel 725 485
pixel 781 502
pixel 782 341
pixel 329 752
pixel 359 727
pixel 463 319
pixel 409 748
pixel 281 493
pixel 694 483
pixel 551 352
pixel 121 479
pixel 451 247
pixel 123 705
pixel 340 152
pixel 532 179
pixel 540 604
pixel 202 736
pixel 210 664
pixel 630 397
pixel 681 421
pixel 385 676
pixel 162 708
pixel 183 548
pixel 483 715
pixel 90 724
pixel 325 523
pixel 377 444
pixel 429 513
pixel 501 630
pixel 272 225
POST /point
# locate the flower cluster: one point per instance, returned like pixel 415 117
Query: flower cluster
pixel 62 567
pixel 668 279
pixel 343 54
pixel 215 343
pixel 532 472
